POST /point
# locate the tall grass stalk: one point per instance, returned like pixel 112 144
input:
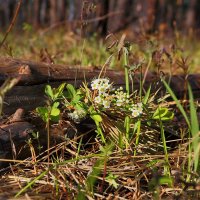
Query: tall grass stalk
pixel 126 71
pixel 194 129
pixel 31 183
pixel 127 127
pixel 178 104
pixel 137 127
pixel 193 126
pixel 126 63
pixel 162 131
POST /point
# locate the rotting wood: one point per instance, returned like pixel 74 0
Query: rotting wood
pixel 29 92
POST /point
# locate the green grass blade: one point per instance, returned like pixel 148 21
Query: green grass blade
pixel 178 104
pixel 146 97
pixel 194 128
pixel 31 183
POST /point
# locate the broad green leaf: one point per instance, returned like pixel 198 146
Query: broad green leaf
pixel 43 112
pixel 55 114
pixel 71 91
pixel 76 98
pixel 163 114
pixel 96 117
pixel 56 104
pixel 166 180
pixel 160 112
pixel 49 91
pixel 55 111
pixel 59 91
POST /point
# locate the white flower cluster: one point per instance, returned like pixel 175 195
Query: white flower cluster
pixel 122 98
pixel 136 109
pixel 103 87
pixel 77 115
pixel 119 98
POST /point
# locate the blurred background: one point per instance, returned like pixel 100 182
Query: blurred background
pixel 75 32
pixel 102 16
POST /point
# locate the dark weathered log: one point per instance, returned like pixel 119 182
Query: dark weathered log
pixel 29 92
pixel 17 137
pixel 13 138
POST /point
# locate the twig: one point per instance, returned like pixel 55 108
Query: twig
pixel 12 22
pixel 100 18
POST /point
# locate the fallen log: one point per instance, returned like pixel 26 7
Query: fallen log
pixel 29 92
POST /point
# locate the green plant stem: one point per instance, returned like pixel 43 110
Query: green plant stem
pixel 127 127
pixel 147 68
pixel 48 140
pixel 162 131
pixel 126 55
pixel 141 83
pixel 137 136
pixel 126 63
pixel 31 183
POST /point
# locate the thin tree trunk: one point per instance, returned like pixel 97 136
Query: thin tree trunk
pixel 190 16
pixel 35 13
pixel 53 14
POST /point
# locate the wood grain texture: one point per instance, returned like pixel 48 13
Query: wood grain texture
pixel 29 92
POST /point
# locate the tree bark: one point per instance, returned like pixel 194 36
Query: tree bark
pixel 29 93
pixel 190 15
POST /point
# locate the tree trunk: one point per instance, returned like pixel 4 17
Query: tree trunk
pixel 35 13
pixel 53 13
pixel 190 15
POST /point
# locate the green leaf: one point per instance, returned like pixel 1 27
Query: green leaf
pixel 160 180
pixel 96 117
pixel 31 183
pixel 71 91
pixel 163 114
pixel 100 133
pixel 166 180
pixel 59 91
pixel 56 104
pixel 55 114
pixel 43 112
pixel 111 179
pixel 49 91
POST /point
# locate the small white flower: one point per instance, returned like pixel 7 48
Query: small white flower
pixel 102 90
pixel 95 84
pixel 105 80
pixel 101 84
pixel 119 103
pixel 106 103
pixel 135 113
pixel 98 100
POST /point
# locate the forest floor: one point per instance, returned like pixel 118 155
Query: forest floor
pixel 117 143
